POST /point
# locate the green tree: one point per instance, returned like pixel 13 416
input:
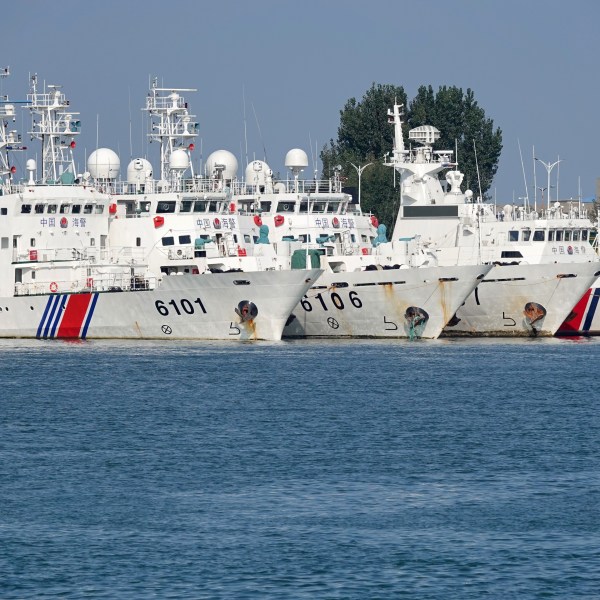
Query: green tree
pixel 364 135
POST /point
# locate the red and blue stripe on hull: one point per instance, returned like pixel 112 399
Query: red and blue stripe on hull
pixel 581 320
pixel 67 316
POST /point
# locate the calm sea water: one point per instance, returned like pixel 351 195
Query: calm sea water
pixel 447 469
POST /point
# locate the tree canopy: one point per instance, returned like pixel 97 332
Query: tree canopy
pixel 364 135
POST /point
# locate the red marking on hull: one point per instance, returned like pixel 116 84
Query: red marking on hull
pixel 75 311
pixel 573 323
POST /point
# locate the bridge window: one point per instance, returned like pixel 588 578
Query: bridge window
pixel 576 235
pixel 165 207
pixel 539 235
pixel 52 209
pixel 584 235
pixel 559 235
pixel 39 209
pixel 76 209
pixel 185 239
pixel 567 235
pixel 551 235
pixel 25 209
pixel 526 235
pixel 168 241
pixel 513 236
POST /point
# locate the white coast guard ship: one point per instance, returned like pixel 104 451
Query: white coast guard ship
pixel 63 276
pixel 543 261
pixel 220 222
pixel 370 287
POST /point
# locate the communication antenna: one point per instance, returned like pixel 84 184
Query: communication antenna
pixel 524 178
pixel 478 177
pixel 130 139
pixel 312 154
pixel 557 177
pixel 534 182
pixel 480 200
pixel 260 134
pixel 245 128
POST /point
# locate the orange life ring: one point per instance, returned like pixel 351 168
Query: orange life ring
pixel 53 287
pixel 257 220
pixel 336 222
pixel 279 220
pixel 374 221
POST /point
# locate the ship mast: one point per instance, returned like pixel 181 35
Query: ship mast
pixel 10 140
pixel 56 127
pixel 172 126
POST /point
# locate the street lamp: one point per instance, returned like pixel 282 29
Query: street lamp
pixel 359 170
pixel 542 189
pixel 549 168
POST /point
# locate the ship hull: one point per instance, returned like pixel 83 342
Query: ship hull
pixel 226 306
pixel 374 304
pixel 584 319
pixel 501 304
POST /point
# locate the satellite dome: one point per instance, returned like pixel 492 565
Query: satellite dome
pixel 179 160
pixel 226 162
pixel 257 173
pixel 139 170
pixel 104 164
pixel 296 159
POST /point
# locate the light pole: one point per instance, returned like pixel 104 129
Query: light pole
pixel 549 168
pixel 359 170
pixel 542 189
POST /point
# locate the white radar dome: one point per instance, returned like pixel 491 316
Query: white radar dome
pixel 104 164
pixel 296 159
pixel 139 170
pixel 257 173
pixel 224 161
pixel 179 160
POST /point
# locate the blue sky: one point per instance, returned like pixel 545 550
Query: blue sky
pixel 532 64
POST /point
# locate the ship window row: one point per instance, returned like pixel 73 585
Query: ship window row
pixel 169 240
pixel 216 206
pixel 63 209
pixel 554 235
